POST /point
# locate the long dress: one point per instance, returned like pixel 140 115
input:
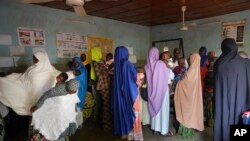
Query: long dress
pixel 125 92
pixel 160 122
pixel 55 116
pixel 136 133
pixel 232 87
pixel 158 92
pixel 82 78
pixel 188 100
pixel 21 91
pixel 103 85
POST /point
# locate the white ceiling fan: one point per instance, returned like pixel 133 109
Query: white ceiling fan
pixel 76 4
pixel 184 27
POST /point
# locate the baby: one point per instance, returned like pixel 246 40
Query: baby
pixel 73 73
pixel 62 77
pixel 166 58
pixel 179 71
pixel 70 87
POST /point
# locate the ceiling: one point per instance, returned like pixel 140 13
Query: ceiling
pixel 155 12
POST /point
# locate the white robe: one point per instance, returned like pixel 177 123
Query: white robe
pixel 21 91
pixel 160 122
pixel 55 115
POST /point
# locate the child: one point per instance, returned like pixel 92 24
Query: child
pixel 179 71
pixel 62 77
pixel 73 73
pixel 70 87
pixel 166 58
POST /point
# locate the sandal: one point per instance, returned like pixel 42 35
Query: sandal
pixel 170 134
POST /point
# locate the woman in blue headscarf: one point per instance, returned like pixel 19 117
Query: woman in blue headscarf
pixel 125 93
pixel 82 78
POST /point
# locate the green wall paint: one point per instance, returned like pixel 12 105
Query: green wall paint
pixel 208 35
pixel 14 14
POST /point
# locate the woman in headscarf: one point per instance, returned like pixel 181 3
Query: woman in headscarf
pixel 203 65
pixel 158 74
pixel 232 87
pixel 20 91
pixel 82 78
pixel 86 64
pixel 188 100
pixel 102 87
pixel 125 97
pixel 209 90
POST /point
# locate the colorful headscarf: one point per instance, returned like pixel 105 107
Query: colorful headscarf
pixel 124 92
pixel 82 78
pixel 157 81
pixel 72 85
pixel 96 55
pixel 188 96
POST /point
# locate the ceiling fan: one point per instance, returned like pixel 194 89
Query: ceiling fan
pixel 184 27
pixel 76 4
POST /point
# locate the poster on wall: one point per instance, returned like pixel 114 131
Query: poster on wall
pixel 234 30
pixel 105 44
pixel 70 44
pixel 30 36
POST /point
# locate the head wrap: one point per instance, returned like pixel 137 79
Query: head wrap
pixel 203 54
pixel 72 85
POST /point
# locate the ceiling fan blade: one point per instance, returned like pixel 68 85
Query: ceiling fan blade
pixel 79 10
pixel 35 1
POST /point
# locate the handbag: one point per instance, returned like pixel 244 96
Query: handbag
pixel 144 92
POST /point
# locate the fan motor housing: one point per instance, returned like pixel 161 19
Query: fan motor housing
pixel 75 2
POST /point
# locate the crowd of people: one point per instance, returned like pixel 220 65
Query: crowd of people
pixel 208 91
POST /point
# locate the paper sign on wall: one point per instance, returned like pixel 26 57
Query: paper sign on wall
pixel 31 36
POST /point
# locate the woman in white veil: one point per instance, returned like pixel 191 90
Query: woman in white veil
pixel 20 91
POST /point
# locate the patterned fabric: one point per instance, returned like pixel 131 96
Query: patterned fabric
pixel 58 90
pixel 179 72
pixel 136 133
pixel 72 85
pixel 246 118
pixel 89 106
pixel 208 96
pixel 103 85
pixel 102 76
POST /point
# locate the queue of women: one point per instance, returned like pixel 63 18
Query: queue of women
pixel 207 90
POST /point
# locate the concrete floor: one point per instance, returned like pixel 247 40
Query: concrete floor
pixel 91 131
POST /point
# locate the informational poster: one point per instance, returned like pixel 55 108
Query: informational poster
pixel 105 44
pixel 31 36
pixel 234 30
pixel 71 44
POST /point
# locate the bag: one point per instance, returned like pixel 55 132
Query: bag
pixel 144 92
pixel 246 117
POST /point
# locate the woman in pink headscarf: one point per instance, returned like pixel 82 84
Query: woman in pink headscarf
pixel 188 100
pixel 158 75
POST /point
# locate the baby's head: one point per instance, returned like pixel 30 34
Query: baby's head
pixel 76 72
pixel 72 86
pixel 165 55
pixel 62 77
pixel 181 62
